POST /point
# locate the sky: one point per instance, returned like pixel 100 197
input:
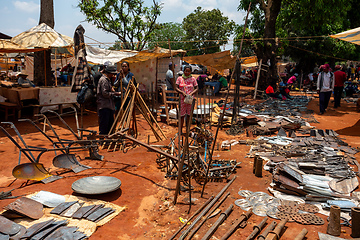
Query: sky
pixel 17 16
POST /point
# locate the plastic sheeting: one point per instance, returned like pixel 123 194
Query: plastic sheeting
pixel 100 56
pixel 352 36
pixel 6 46
pixel 219 61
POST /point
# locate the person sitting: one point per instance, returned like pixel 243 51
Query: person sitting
pixel 201 82
pixel 223 81
pixel 284 90
pixel 23 80
pixel 270 91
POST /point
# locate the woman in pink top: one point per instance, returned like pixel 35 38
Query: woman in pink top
pixel 185 85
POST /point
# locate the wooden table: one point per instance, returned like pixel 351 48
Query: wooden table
pixel 16 95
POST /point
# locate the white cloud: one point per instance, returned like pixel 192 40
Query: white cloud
pixel 26 6
pixel 32 22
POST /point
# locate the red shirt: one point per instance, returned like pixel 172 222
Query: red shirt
pixel 340 78
pixel 269 89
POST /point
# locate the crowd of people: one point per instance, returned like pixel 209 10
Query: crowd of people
pixel 325 80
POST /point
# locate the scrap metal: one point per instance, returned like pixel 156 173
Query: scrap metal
pixel 27 207
pixel 257 229
pixel 221 219
pixel 243 217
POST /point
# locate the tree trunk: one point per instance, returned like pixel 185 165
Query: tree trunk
pixel 42 60
pixel 266 50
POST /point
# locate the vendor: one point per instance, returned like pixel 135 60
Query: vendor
pixel 270 91
pixel 223 82
pixel 22 79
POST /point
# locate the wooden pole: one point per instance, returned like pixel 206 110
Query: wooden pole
pixel 220 121
pixel 45 67
pixel 172 65
pixel 55 68
pixel 179 153
pixel 156 81
pixel 257 79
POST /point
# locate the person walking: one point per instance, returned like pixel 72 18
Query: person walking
pixel 340 78
pixel 325 85
pixel 186 86
pixel 105 99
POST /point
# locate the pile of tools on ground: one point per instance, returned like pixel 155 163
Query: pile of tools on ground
pixel 200 141
pixel 47 215
pixel 267 117
pixel 313 166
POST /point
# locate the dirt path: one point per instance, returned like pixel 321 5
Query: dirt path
pixel 145 192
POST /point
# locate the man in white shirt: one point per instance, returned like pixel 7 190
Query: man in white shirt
pixel 325 85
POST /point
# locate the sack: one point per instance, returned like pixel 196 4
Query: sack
pixel 85 94
pixel 188 99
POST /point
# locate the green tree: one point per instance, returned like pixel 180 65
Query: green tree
pixel 247 43
pixel 168 31
pixel 265 13
pixel 305 30
pixel 206 31
pixel 131 21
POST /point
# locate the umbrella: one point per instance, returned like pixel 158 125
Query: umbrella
pixel 42 36
pixel 352 36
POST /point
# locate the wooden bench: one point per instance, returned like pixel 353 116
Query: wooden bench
pixel 9 109
pixel 37 107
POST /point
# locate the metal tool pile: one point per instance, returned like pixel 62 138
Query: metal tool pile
pixel 47 230
pixel 33 208
pixel 314 166
pixel 267 117
pixel 264 205
pixel 75 209
pixel 200 141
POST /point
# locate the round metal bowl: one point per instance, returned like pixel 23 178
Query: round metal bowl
pixel 96 185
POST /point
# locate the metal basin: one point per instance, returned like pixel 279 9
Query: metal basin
pixel 96 185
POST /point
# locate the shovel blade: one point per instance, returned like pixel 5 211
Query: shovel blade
pixel 30 171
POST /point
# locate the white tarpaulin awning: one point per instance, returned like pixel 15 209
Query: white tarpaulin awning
pixel 352 36
pixel 100 56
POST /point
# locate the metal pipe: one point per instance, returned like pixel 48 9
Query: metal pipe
pixel 263 235
pixel 235 226
pixel 65 123
pixel 16 144
pixel 257 229
pixel 355 221
pixel 186 232
pixel 43 133
pixel 301 235
pixel 12 125
pixel 196 213
pixel 334 227
pixel 275 234
pixel 221 219
pixel 208 215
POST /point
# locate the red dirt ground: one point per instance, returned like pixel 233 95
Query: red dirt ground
pixel 145 191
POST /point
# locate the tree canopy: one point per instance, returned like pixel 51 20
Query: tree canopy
pixel 165 32
pixel 206 31
pixel 301 30
pixel 131 21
